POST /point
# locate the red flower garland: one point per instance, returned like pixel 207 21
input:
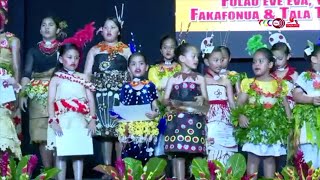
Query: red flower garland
pixel 260 92
pixel 287 77
pixel 143 82
pixel 64 105
pixel 76 79
pixel 49 50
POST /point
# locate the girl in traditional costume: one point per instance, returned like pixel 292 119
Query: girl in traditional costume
pixel 40 63
pixel 262 115
pixel 10 124
pixel 159 74
pixel 221 143
pixel 106 64
pixel 71 101
pixel 186 94
pixel 306 111
pixel 281 53
pixel 139 137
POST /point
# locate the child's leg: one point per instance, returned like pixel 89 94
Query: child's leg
pixel 269 167
pixel 61 163
pixel 107 152
pixel 180 166
pixel 252 164
pixel 77 164
pixel 46 155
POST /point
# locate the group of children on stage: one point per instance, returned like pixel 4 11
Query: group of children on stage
pixel 208 115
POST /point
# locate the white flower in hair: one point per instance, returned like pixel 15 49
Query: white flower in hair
pixel 278 37
pixel 207 45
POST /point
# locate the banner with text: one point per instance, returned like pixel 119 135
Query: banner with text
pixel 247 15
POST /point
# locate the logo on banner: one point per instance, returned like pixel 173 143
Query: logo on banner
pixel 279 23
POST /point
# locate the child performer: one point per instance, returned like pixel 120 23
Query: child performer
pixel 9 75
pixel 186 94
pixel 281 53
pixel 221 143
pixel 234 77
pixel 263 122
pixel 70 102
pixel 139 137
pixel 306 112
pixel 159 74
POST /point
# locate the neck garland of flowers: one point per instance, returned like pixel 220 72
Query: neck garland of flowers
pixel 164 71
pixel 255 90
pixel 73 78
pixel 55 44
pixel 112 50
pixel 136 83
pixel 311 76
pixel 287 76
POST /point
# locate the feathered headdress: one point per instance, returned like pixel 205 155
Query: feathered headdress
pixel 132 45
pixel 120 17
pixel 255 43
pixel 4 5
pixel 182 37
pixel 82 36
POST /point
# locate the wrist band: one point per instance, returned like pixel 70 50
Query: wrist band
pixel 51 120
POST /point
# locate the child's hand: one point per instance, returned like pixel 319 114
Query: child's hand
pixel 199 100
pixel 92 127
pixel 316 101
pixel 152 114
pixel 56 128
pixel 243 121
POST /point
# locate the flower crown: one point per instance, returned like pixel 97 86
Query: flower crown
pixel 4 5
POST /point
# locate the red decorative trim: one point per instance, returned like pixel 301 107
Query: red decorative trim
pixel 287 77
pixel 222 102
pixel 65 105
pixel 76 79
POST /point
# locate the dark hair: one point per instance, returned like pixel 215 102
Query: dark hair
pixel 166 37
pixel 55 20
pixel 316 50
pixel 281 47
pixel 62 50
pixel 226 49
pixel 215 50
pixel 267 53
pixel 137 54
pixel 115 20
pixel 182 49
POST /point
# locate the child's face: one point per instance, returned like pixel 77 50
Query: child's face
pixel 110 31
pixel 70 59
pixel 48 28
pixel 167 49
pixel 316 59
pixel 138 66
pixel 261 65
pixel 215 62
pixel 281 58
pixel 225 59
pixel 190 58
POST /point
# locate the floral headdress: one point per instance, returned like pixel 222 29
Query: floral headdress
pixel 278 37
pixel 255 43
pixel 182 37
pixel 207 45
pixel 4 5
pixel 309 50
pixel 132 45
